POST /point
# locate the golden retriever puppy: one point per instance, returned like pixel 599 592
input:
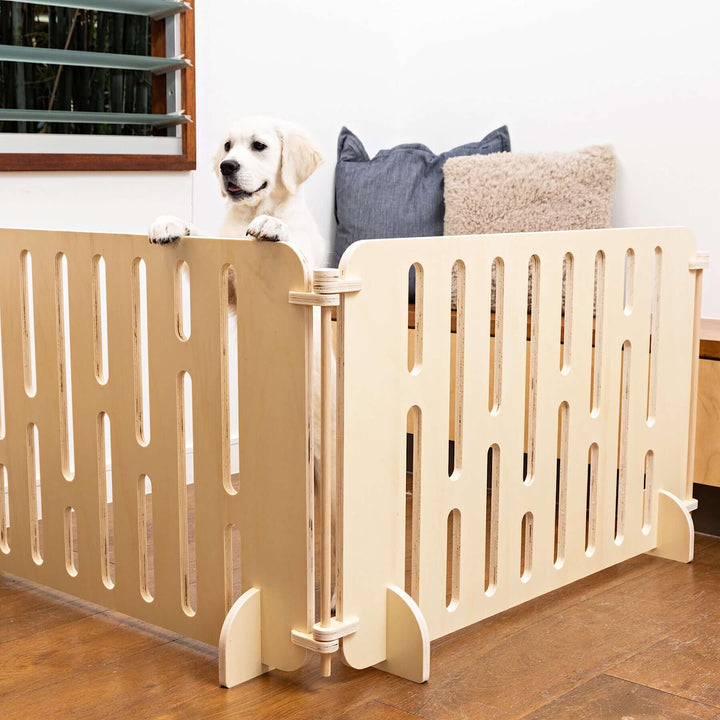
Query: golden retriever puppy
pixel 260 164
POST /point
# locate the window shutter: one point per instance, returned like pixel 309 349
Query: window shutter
pixel 169 65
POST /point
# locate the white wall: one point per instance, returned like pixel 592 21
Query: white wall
pixel 92 201
pixel 644 75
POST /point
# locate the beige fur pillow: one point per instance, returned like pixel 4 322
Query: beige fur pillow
pixel 529 192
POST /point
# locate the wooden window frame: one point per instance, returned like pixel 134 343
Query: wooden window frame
pixel 28 162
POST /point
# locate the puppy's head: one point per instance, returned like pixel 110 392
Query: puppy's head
pixel 261 157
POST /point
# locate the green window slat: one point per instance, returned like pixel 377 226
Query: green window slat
pixel 155 9
pixel 50 56
pixel 98 118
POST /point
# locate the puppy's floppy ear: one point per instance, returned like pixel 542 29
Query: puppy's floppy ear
pixel 300 158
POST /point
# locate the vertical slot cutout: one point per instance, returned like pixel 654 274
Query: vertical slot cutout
pixel 562 485
pixel 654 337
pixel 4 511
pixel 186 494
pixel 531 373
pixel 412 504
pixel 497 302
pixel 62 324
pixel 182 300
pixel 492 519
pixel 2 386
pixel 568 284
pixel 230 394
pixel 145 538
pixel 105 495
pixel 415 319
pixel 28 324
pixel 70 529
pixel 34 493
pixel 457 381
pixel 140 348
pixel 598 315
pixel 648 492
pixel 623 430
pixel 233 578
pixel 452 570
pixel 591 501
pixel 100 323
pixel 526 547
pixel 629 286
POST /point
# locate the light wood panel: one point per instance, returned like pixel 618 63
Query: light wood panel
pixel 707 444
pixel 616 401
pixel 497 382
pixel 271 506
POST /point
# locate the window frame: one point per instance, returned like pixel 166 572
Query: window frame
pixel 185 161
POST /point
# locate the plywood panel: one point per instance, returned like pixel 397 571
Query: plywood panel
pixel 610 396
pixel 270 506
pixel 707 444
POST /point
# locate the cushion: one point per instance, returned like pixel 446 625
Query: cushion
pixel 529 192
pixel 399 192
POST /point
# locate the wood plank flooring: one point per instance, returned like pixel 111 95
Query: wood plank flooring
pixel 638 641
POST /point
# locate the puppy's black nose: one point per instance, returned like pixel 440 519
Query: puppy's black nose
pixel 228 167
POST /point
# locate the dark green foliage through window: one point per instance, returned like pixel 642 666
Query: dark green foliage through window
pixel 36 86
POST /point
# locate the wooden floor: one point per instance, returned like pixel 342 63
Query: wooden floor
pixel 641 640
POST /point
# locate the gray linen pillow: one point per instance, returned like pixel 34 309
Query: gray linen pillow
pixel 399 192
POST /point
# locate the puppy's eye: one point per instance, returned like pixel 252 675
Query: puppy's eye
pixel 228 145
pixel 258 146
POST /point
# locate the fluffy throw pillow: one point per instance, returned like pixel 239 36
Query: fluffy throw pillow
pixel 530 192
pixel 399 192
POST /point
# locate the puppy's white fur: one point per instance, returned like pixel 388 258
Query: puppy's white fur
pixel 267 205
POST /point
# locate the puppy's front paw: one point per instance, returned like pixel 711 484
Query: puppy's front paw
pixel 264 227
pixel 167 229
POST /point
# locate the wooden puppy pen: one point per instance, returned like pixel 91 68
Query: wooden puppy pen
pixel 571 420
